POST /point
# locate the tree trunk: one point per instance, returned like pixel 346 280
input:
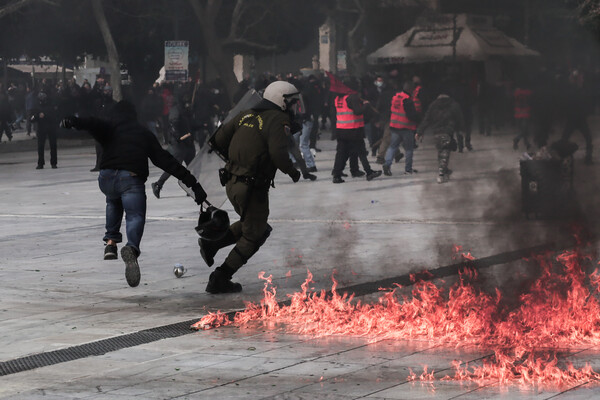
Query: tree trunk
pixel 111 49
pixel 220 59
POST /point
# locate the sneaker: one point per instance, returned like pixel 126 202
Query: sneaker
pixel 156 189
pixel 218 282
pixel 387 171
pixel 412 171
pixel 443 178
pixel 39 167
pixel 469 147
pixel 358 174
pixel 54 166
pixel 313 152
pixel 132 268
pixel 312 169
pixel 373 174
pixel 110 252
pixel 309 176
pixel 338 179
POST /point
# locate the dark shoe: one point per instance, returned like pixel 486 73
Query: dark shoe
pixel 309 176
pixel 469 147
pixel 54 166
pixel 443 178
pixel 39 167
pixel 343 175
pixel 373 174
pixel 312 169
pixel 95 169
pixel 318 150
pixel 399 156
pixel 338 179
pixel 387 171
pixel 358 174
pixel 460 150
pixel 132 268
pixel 381 160
pixel 110 252
pixel 220 282
pixel 412 171
pixel 156 189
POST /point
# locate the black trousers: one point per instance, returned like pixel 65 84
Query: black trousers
pixel 42 135
pixel 350 148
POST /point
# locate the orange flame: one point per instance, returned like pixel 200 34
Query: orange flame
pixel 559 310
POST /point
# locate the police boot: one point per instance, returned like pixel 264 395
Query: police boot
pixel 209 248
pixel 220 281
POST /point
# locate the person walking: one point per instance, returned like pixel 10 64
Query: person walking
pixel 126 148
pixel 350 134
pixel 443 117
pixel 46 117
pixel 403 124
pixel 181 141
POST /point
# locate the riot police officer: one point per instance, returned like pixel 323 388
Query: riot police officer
pixel 255 143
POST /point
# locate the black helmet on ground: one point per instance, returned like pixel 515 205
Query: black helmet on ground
pixel 213 223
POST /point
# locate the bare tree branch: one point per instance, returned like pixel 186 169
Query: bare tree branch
pixel 248 43
pixel 235 18
pixel 111 49
pixel 18 4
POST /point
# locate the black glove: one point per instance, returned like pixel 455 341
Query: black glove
pixel 295 175
pixel 68 122
pixel 199 193
pixel 309 176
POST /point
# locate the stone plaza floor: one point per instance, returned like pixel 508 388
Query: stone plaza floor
pixel 71 328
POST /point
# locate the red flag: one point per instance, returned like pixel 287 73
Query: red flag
pixel 336 86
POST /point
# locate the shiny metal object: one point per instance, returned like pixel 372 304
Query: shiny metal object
pixel 179 270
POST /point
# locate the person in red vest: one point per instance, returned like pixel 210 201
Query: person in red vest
pixel 350 132
pixel 403 125
pixel 522 115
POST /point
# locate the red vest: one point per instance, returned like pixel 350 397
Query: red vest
pixel 346 119
pixel 522 107
pixel 399 120
pixel 416 99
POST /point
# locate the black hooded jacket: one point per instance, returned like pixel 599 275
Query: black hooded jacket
pixel 127 145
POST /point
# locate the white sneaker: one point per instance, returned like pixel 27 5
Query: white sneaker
pixel 313 152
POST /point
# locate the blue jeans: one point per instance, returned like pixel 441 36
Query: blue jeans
pixel 303 141
pixel 124 192
pixel 407 138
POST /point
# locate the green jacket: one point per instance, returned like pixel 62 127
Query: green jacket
pixel 257 144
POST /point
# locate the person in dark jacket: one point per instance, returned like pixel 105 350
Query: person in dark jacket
pixel 126 148
pixel 181 141
pixel 46 117
pixel 6 115
pixel 443 117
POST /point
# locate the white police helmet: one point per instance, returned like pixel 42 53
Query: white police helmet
pixel 283 94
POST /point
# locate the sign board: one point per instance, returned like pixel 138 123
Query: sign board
pixel 176 60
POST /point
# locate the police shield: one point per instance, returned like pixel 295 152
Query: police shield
pixel 205 166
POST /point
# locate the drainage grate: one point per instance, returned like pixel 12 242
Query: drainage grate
pixel 104 346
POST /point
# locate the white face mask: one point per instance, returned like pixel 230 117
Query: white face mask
pixel 378 83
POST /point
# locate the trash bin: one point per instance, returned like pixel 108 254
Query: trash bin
pixel 547 188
